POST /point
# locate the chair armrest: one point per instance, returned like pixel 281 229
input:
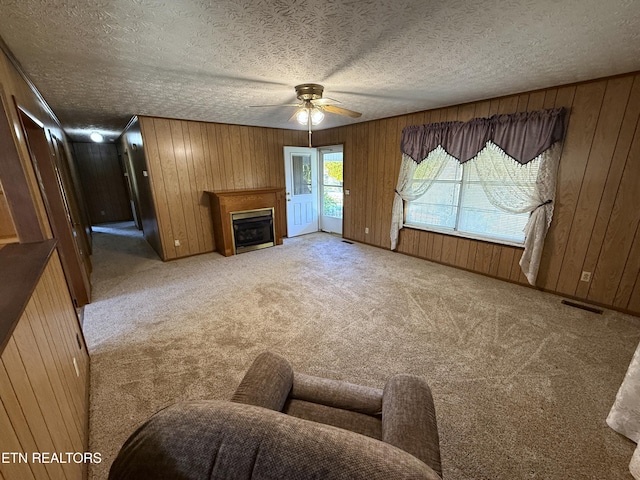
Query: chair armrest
pixel 267 383
pixel 409 419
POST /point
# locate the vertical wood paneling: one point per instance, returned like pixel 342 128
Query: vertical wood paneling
pixel 186 158
pixel 594 194
pixel 382 233
pixel 103 182
pixel 202 182
pixel 133 151
pixel 10 443
pixel 506 260
pixel 585 108
pixel 462 253
pixel 634 301
pixel 49 324
pixel 20 424
pixel 157 190
pixel 371 184
pixel 629 280
pixel 43 401
pixel 550 97
pixel 602 123
pixel 536 101
pixel 613 178
pixel 448 252
pixel 597 168
pixel 623 225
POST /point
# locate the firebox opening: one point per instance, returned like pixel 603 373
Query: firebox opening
pixel 252 229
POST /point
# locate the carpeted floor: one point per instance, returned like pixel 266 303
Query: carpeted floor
pixel 522 384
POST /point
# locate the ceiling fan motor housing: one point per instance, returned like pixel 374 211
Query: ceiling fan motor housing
pixel 309 91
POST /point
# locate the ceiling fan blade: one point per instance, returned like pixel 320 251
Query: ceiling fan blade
pixel 341 111
pixel 279 105
pixel 324 101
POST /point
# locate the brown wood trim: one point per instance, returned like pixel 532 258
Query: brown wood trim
pixel 16 188
pixel 22 265
pixel 246 191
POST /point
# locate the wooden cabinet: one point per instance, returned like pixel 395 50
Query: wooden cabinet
pixel 223 203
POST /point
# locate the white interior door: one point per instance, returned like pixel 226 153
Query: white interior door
pixel 331 191
pixel 301 179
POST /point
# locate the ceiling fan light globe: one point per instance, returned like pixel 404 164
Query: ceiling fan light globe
pixel 303 116
pixel 316 116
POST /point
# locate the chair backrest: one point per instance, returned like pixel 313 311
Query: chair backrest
pixel 224 440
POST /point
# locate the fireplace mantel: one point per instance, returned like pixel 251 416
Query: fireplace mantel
pixel 224 202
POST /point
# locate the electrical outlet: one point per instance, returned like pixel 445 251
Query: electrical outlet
pixel 347 192
pixel 585 277
pixel 366 230
pixel 176 243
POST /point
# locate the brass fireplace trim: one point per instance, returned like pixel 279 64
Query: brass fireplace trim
pixel 245 214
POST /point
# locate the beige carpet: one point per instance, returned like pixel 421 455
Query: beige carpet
pixel 522 384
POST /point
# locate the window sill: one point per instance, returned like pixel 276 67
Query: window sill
pixel 470 236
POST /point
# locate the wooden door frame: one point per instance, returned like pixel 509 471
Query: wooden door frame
pixel 321 150
pixel 15 185
pixel 60 219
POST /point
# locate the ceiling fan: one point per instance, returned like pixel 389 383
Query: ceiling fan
pixel 311 108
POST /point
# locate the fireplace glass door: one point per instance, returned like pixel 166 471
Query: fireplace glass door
pixel 252 230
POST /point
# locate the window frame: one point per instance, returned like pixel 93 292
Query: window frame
pixel 463 182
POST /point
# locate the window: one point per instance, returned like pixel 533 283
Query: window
pixel 302 174
pixel 505 182
pixel 456 202
pixel 332 197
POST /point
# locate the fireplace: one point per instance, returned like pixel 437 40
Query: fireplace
pixel 226 202
pixel 252 229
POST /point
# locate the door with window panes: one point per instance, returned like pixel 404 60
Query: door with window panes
pixel 301 180
pixel 331 189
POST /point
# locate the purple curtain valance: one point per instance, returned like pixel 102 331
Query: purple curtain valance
pixel 523 136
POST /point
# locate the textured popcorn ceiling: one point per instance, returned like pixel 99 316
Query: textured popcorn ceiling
pixel 98 62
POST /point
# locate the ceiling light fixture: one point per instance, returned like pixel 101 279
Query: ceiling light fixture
pixel 96 137
pixel 303 116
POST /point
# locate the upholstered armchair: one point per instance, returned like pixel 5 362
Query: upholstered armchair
pixel 285 425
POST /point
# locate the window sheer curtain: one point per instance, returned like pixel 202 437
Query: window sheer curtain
pixel 498 148
pixel 413 181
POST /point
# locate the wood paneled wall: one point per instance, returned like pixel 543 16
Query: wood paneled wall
pixel 44 402
pixel 132 148
pixel 187 158
pixel 596 224
pixel 103 182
